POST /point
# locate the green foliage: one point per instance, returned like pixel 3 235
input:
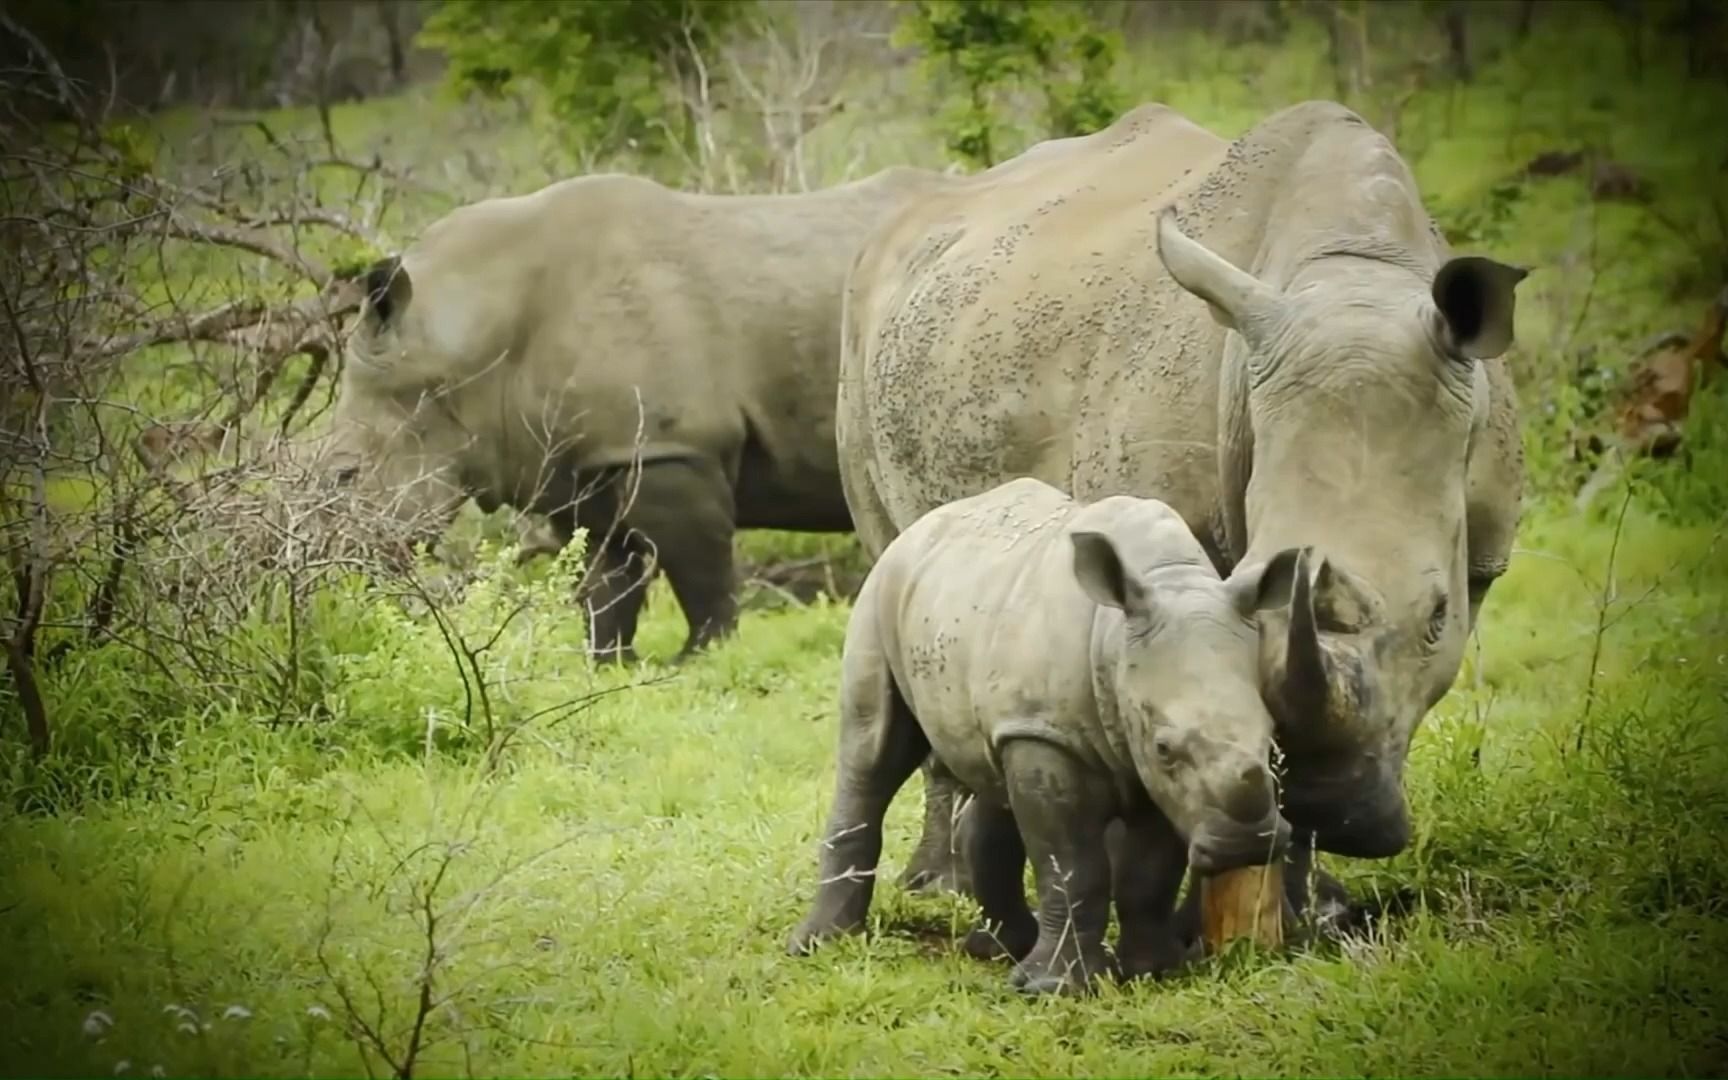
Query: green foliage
pixel 990 49
pixel 618 896
pixel 1692 487
pixel 610 76
pixel 350 257
pixel 450 671
pixel 133 151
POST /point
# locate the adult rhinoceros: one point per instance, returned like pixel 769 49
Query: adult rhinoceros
pixel 1045 318
pixel 533 351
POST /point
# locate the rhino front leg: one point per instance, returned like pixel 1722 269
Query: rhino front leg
pixel 613 592
pixel 614 584
pixel 881 744
pixel 1312 896
pixel 997 857
pixel 1062 813
pixel 1147 863
pixel 939 864
pixel 684 511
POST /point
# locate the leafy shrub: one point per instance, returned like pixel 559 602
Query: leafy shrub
pixel 993 48
pixel 612 77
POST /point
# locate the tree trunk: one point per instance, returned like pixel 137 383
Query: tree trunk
pixel 1698 24
pixel 390 14
pixel 1364 56
pixel 1458 39
pixel 1277 19
pixel 1335 48
pixel 1630 15
pixel 324 58
pixel 21 655
pixel 1526 18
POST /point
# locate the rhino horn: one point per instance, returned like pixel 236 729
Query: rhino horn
pixel 1305 678
pixel 1238 300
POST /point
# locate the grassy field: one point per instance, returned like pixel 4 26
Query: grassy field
pixel 193 888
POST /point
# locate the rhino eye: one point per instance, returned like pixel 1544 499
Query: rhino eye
pixel 1168 749
pixel 1437 621
pixel 1165 747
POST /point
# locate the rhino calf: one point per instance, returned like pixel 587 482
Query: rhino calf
pixel 1072 665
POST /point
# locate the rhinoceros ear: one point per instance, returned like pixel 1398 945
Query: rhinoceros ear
pixel 388 289
pixel 1268 585
pixel 1475 299
pixel 1236 298
pixel 1099 568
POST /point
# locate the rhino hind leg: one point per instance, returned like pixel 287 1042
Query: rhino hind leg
pixel 881 745
pixel 1062 814
pixel 1147 864
pixel 938 864
pixel 997 857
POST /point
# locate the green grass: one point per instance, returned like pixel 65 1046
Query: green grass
pixel 660 847
pixel 195 878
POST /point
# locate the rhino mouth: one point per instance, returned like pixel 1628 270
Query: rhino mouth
pixel 1218 846
pixel 1372 826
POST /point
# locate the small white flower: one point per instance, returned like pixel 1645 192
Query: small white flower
pixel 157 1070
pixel 317 1012
pixel 97 1024
pixel 236 1012
pixel 122 1066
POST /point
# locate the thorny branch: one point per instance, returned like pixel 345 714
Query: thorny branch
pixel 91 238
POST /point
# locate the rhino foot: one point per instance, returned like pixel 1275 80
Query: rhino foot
pixel 813 932
pixel 1064 976
pixel 1005 941
pixel 936 874
pixel 1152 957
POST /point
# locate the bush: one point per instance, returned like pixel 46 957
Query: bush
pixel 993 48
pixel 612 77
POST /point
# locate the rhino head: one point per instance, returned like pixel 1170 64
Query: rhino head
pixel 1183 687
pixel 395 440
pixel 1349 399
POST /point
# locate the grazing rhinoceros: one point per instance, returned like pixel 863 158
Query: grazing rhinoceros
pixel 609 352
pixel 1045 318
pixel 1073 666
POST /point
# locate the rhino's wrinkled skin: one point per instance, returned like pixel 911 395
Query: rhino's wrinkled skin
pixel 1267 334
pixel 1073 666
pixel 530 350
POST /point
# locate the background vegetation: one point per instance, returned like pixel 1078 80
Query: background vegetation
pixel 273 804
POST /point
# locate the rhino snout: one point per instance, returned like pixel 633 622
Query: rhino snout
pixel 1218 846
pixel 1249 796
pixel 1370 823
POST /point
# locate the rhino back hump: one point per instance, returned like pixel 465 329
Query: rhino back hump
pixel 1024 324
pixel 1021 325
pixel 607 311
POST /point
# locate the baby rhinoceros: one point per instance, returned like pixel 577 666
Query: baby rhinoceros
pixel 1073 665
